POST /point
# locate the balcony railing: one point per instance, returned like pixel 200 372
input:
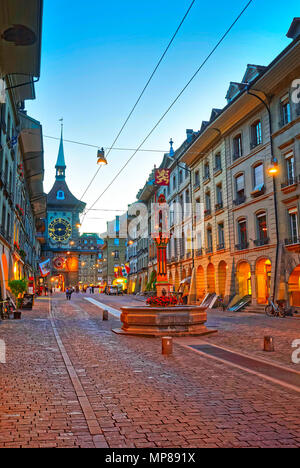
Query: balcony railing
pixel 207 212
pixel 221 246
pixel 206 177
pixel 292 241
pixel 199 252
pixel 242 246
pixel 217 169
pixel 219 206
pixel 209 249
pixel 290 181
pixel 254 144
pixel 237 155
pixel 261 242
pixel 239 200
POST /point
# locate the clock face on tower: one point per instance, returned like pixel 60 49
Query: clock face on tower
pixel 60 230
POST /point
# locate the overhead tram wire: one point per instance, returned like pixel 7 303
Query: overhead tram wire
pixel 172 104
pixel 142 93
pixel 106 148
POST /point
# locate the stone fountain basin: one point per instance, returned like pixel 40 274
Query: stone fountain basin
pixel 164 321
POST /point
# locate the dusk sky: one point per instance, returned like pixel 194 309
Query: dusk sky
pixel 97 57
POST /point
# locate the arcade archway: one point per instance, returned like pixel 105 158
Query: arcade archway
pixel 294 287
pixel 200 282
pixel 211 280
pixel 244 279
pixel 263 280
pixel 222 273
pixel 177 281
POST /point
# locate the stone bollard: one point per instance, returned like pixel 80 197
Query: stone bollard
pixel 105 315
pixel 269 344
pixel 167 345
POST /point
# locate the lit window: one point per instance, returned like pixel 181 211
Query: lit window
pixel 262 231
pixel 290 167
pixel 256 134
pixel 242 234
pixel 258 177
pixel 293 215
pixel 237 147
pixel 285 108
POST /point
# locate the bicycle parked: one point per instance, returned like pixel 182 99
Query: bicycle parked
pixel 273 310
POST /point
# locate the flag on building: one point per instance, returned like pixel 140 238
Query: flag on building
pixel 45 268
pixel 162 176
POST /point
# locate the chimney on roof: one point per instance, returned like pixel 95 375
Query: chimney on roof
pixel 294 31
pixel 189 134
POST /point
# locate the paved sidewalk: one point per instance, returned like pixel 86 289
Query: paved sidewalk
pixel 245 333
pixel 241 332
pixel 38 404
pixel 139 397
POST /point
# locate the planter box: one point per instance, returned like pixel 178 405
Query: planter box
pixel 17 315
pixel 164 321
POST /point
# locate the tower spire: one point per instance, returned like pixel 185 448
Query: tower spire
pixel 60 163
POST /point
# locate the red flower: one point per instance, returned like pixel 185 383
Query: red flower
pixel 164 301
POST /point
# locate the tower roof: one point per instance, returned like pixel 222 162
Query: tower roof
pixel 60 163
pixel 67 202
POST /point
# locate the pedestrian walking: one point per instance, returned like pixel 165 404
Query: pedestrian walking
pixel 68 294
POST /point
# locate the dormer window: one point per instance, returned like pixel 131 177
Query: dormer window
pixel 60 195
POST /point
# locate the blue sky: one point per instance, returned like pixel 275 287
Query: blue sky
pixel 96 58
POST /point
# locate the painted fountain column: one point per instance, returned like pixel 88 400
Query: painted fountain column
pixel 161 237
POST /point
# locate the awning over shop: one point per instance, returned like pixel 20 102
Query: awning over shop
pixel 186 280
pixel 31 143
pixel 20 37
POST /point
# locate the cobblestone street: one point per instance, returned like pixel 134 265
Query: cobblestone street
pixel 70 382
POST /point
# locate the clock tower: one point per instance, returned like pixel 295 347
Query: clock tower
pixel 61 227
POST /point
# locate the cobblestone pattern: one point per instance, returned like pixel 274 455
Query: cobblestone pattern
pixel 245 333
pixel 140 398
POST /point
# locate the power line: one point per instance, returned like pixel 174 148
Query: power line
pixel 173 102
pixel 106 148
pixel 143 92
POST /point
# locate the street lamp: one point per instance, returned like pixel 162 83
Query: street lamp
pixel 273 169
pixel 101 159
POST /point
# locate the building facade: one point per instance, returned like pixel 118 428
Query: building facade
pixel 89 245
pixel 112 257
pixel 22 201
pixel 248 253
pixel 62 223
pixel 240 239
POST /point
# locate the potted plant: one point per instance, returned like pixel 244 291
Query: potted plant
pixel 18 289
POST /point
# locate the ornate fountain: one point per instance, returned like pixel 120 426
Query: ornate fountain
pixel 163 316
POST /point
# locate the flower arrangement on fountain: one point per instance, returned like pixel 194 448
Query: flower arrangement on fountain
pixel 164 301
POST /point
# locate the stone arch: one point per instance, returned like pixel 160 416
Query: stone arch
pixel 177 280
pixel 243 277
pixel 200 283
pixel 211 278
pixel 263 270
pixel 294 287
pixel 222 276
pixel 5 272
